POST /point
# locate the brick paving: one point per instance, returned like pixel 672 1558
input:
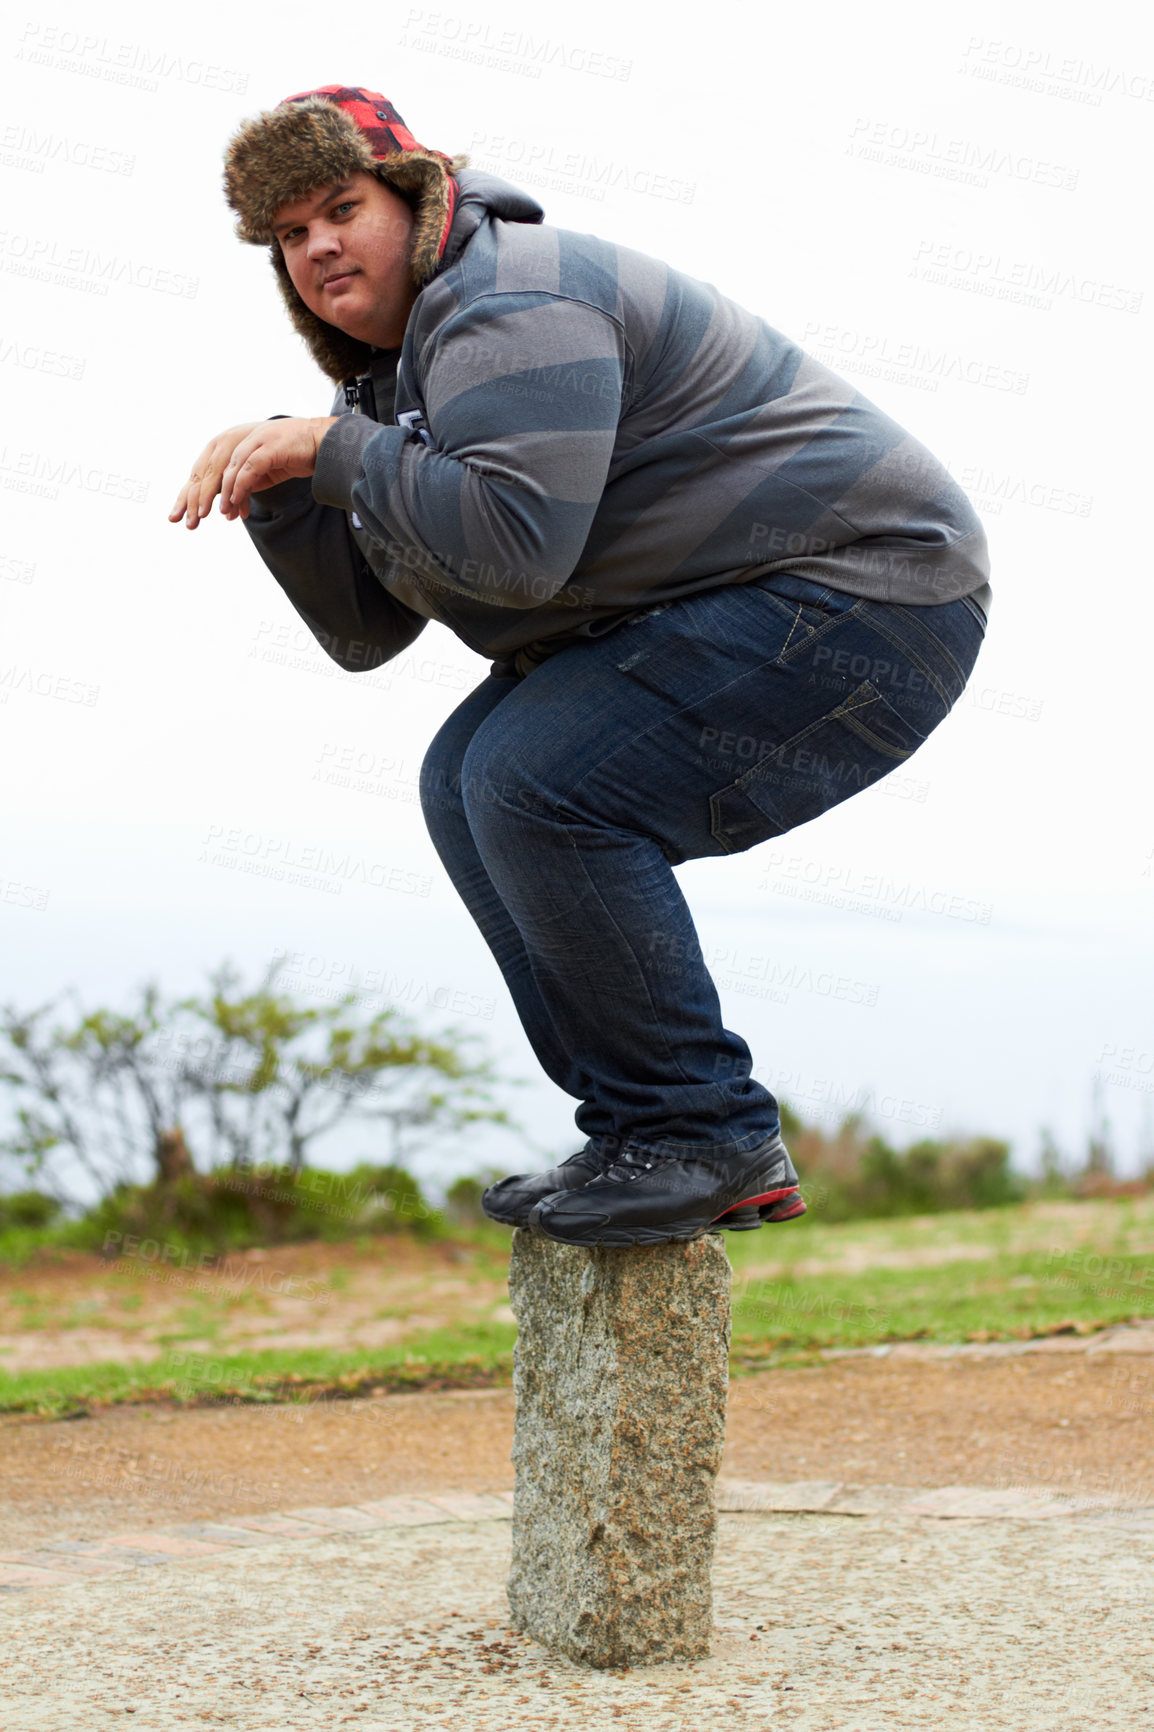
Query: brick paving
pixel 65 1563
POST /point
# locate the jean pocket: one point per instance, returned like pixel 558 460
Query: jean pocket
pixel 807 610
pixel 849 749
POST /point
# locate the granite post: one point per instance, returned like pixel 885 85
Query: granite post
pixel 621 1376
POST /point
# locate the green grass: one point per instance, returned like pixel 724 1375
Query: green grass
pixel 471 1356
pixel 20 1245
pixel 958 1301
pixel 994 1274
pixel 1040 1270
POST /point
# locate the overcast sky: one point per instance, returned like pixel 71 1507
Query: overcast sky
pixel 942 208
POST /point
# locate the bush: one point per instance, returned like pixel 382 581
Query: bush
pixel 463 1198
pixel 390 1200
pixel 232 1209
pixel 27 1209
pixel 856 1175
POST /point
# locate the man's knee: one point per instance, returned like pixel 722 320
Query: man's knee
pixel 499 787
pixel 440 783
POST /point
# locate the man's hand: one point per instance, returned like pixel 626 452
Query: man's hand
pixel 245 460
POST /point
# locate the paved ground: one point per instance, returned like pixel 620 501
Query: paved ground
pixel 1072 1413
pixel 173 1567
pixel 972 1610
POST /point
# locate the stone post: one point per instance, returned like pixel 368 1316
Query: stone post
pixel 621 1375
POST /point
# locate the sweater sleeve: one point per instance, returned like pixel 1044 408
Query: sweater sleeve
pixel 311 551
pixel 522 394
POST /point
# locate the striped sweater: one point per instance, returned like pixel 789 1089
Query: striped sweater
pixel 572 431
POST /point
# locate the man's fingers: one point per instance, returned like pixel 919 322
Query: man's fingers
pixel 244 461
pixel 251 477
pixel 209 485
pixel 201 488
pixel 210 482
pixel 244 468
pixel 187 498
pixel 195 498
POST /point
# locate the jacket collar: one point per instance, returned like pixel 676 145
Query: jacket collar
pixel 481 195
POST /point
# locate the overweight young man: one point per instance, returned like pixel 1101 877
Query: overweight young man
pixel 720 590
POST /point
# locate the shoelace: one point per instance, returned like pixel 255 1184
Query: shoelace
pixel 629 1164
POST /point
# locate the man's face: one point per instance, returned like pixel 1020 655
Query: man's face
pixel 347 250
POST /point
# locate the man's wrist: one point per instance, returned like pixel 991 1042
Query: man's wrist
pixel 340 459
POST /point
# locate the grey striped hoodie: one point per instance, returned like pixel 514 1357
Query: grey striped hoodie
pixel 572 431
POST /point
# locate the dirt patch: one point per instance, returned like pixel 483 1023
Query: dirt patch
pixel 901 1244
pixel 1068 1423
pixel 74 1308
pixel 78 1309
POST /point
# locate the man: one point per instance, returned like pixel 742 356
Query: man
pixel 721 591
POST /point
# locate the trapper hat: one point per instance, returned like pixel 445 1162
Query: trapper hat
pixel 324 135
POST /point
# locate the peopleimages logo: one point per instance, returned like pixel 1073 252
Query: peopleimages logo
pixel 46 258
pixel 33 358
pixel 479 43
pixel 43 683
pixel 312 866
pixel 920 365
pixel 26 147
pixel 133 65
pixel 540 164
pixel 839 885
pixel 1038 68
pixel 1023 282
pixel 924 151
pixel 18 895
pixel 339 981
pixel 42 474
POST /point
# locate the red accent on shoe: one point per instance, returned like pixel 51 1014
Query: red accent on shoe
pixel 768 1196
pixel 785 1211
pixel 764 1197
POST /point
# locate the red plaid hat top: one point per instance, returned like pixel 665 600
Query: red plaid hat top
pixel 375 116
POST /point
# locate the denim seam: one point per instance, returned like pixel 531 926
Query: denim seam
pixel 845 712
pixel 924 632
pixel 917 654
pixel 973 607
pixel 819 631
pixel 797 621
pixel 898 753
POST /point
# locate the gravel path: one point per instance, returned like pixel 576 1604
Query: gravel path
pixel 1026 1619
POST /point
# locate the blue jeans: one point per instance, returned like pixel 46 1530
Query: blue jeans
pixel 560 802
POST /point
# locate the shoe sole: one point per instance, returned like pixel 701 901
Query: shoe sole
pixel 762 1211
pixel 741 1218
pixel 521 1220
pixel 783 1204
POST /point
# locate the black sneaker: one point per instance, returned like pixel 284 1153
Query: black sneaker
pixel 645 1198
pixel 510 1200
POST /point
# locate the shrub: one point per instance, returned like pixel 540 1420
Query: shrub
pixel 463 1198
pixel 27 1209
pixel 856 1175
pixel 232 1209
